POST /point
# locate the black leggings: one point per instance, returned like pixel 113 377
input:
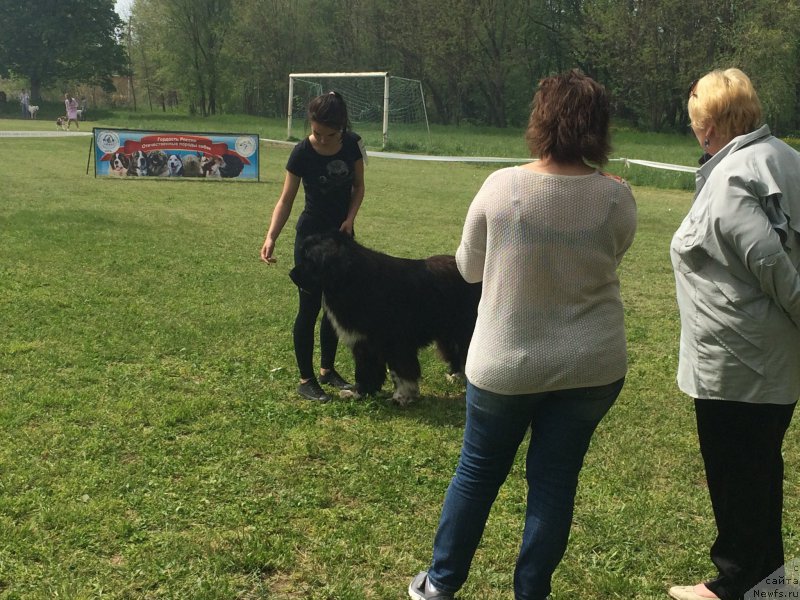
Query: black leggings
pixel 303 332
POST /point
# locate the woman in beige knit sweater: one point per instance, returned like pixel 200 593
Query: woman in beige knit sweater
pixel 548 353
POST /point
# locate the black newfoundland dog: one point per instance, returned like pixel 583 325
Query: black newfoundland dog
pixel 386 308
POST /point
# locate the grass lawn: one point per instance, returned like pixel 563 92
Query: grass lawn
pixel 153 446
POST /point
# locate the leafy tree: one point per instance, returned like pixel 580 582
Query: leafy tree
pixel 479 60
pixel 434 42
pixel 768 50
pixel 647 52
pixel 51 40
pixel 351 43
pixel 497 25
pixel 189 38
pixel 272 38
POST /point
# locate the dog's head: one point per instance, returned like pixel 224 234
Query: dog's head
pixel 231 166
pixel 324 261
pixel 156 162
pixel 191 166
pixel 139 162
pixel 209 165
pixel 119 162
pixel 174 165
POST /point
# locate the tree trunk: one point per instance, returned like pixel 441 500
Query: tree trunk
pixel 36 90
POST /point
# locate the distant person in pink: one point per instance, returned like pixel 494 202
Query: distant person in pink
pixel 72 111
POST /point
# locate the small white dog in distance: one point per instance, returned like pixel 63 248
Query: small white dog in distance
pixel 33 110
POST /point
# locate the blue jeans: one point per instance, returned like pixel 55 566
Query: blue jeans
pixel 561 423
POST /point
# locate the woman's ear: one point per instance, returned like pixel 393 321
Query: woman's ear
pixel 710 134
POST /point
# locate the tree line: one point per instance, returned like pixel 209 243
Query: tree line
pixel 479 60
pixel 60 43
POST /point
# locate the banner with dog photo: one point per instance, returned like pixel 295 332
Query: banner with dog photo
pixel 137 153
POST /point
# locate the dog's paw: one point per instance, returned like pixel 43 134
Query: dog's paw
pixel 352 394
pixel 403 399
pixel 457 377
pixel 405 390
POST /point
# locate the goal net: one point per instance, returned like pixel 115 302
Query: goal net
pixel 376 103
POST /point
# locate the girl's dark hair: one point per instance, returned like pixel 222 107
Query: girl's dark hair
pixel 330 110
pixel 570 120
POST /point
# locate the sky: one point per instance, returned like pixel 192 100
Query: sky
pixel 123 8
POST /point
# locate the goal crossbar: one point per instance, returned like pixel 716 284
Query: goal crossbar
pixel 364 74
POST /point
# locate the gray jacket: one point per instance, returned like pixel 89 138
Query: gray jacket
pixel 736 258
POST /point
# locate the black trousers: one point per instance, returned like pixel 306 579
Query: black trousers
pixel 741 447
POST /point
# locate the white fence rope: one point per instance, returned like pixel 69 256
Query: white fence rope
pixel 34 134
pixel 627 162
pixel 497 159
pixel 655 165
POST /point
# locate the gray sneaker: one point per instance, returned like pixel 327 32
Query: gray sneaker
pixel 311 390
pixel 421 589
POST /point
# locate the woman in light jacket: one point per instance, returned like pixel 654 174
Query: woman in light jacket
pixel 736 258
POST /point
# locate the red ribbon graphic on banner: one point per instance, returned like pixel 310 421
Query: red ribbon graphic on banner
pixel 176 142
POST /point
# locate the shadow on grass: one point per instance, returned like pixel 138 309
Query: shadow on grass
pixel 445 409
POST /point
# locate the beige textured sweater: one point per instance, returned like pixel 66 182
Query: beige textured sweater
pixel 546 248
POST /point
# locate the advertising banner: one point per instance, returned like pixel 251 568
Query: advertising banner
pixel 137 153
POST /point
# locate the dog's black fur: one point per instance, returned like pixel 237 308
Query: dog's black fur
pixel 231 166
pixel 387 308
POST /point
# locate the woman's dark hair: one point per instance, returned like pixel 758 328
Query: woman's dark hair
pixel 570 119
pixel 330 110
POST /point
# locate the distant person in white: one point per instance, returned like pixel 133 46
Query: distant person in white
pixel 24 100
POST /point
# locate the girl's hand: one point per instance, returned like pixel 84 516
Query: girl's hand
pixel 280 215
pixel 347 227
pixel 266 252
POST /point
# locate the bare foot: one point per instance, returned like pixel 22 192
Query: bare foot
pixel 701 590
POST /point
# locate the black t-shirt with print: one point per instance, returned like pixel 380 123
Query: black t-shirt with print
pixel 327 182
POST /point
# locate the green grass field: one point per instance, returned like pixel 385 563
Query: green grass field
pixel 153 446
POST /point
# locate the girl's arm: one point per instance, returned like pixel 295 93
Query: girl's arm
pixel 356 197
pixel 280 215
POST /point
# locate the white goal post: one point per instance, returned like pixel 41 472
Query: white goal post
pixel 374 105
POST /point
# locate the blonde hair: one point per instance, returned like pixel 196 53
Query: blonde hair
pixel 728 100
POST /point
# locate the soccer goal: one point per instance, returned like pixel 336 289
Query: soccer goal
pixel 372 98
